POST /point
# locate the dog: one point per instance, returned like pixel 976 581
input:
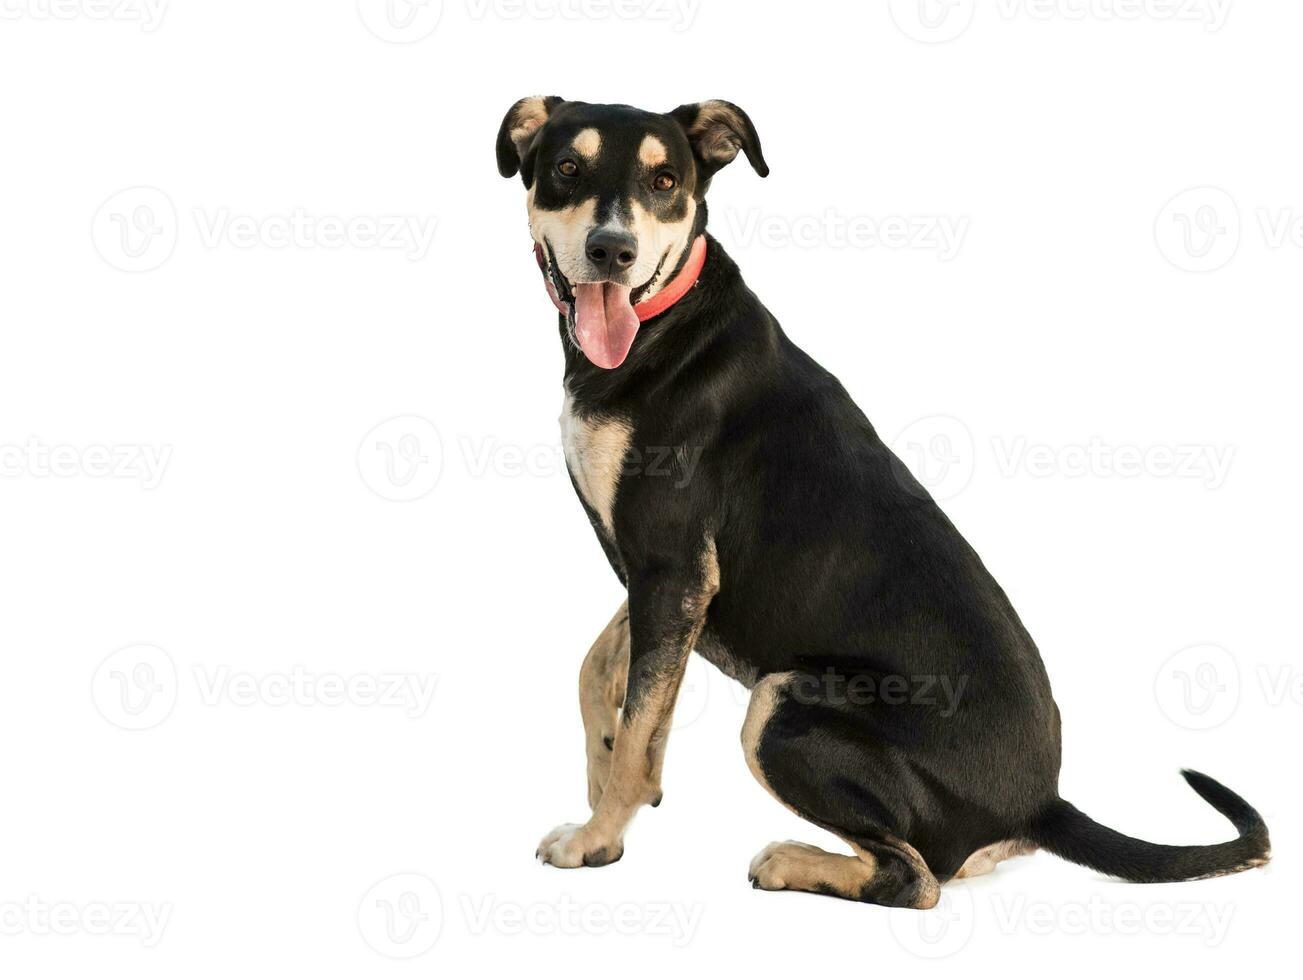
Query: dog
pixel 753 515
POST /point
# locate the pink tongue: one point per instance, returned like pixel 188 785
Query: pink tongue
pixel 604 322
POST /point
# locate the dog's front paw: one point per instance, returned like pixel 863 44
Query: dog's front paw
pixel 574 845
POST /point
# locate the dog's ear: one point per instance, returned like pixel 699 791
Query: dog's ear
pixel 717 130
pixel 519 127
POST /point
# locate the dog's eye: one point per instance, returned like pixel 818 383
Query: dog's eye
pixel 567 168
pixel 664 182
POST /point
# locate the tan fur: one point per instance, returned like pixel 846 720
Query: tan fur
pixel 602 681
pixel 588 143
pixel 714 129
pixel 530 115
pixel 655 239
pixel 652 152
pixel 595 451
pixel 566 231
pixel 764 699
pixel 791 865
pixel 983 861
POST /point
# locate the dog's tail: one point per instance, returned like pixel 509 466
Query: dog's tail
pixel 1064 830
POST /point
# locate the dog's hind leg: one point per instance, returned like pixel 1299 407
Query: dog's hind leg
pixel 984 861
pixel 601 695
pixel 801 751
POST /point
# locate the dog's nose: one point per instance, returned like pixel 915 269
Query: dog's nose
pixel 611 250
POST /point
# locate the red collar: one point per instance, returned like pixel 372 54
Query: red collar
pixel 674 290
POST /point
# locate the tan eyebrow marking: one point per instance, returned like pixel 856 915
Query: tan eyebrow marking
pixel 588 143
pixel 652 152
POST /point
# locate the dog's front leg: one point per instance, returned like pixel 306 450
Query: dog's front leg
pixel 667 609
pixel 602 680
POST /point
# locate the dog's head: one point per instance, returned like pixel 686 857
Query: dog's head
pixel 616 196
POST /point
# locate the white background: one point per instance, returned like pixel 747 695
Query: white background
pixel 1065 378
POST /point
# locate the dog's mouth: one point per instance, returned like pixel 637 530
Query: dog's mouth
pixel 599 315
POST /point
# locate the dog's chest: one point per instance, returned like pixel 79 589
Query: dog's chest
pixel 595 449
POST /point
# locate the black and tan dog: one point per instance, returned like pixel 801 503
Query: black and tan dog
pixel 754 515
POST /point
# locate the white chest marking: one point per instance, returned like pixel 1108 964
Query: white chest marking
pixel 595 451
